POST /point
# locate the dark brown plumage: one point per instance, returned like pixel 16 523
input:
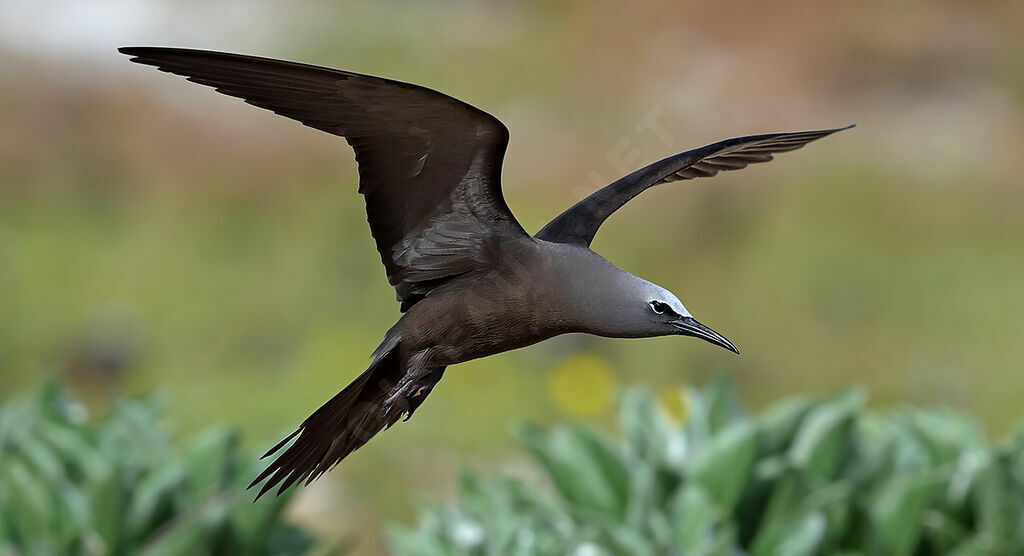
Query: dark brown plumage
pixel 425 159
pixel 470 280
pixel 580 222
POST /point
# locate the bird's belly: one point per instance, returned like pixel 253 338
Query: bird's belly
pixel 466 341
pixel 455 333
pixel 482 315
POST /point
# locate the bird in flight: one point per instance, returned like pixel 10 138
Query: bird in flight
pixel 470 280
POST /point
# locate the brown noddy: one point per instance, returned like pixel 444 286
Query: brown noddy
pixel 470 280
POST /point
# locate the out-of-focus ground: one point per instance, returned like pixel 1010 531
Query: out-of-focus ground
pixel 157 235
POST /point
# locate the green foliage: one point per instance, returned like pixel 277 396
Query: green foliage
pixel 119 486
pixel 805 477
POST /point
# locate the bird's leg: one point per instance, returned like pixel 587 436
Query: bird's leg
pixel 412 389
pixel 419 389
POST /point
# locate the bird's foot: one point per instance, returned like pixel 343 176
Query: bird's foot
pixel 409 394
pixel 416 397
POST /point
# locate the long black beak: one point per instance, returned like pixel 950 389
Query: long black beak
pixel 688 326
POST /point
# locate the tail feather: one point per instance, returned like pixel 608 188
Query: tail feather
pixel 339 427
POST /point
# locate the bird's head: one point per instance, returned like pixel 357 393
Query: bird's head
pixel 605 300
pixel 655 311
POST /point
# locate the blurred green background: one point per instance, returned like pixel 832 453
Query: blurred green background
pixel 155 235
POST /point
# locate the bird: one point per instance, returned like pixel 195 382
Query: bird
pixel 469 279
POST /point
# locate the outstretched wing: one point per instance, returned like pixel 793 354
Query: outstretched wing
pixel 429 165
pixel 580 222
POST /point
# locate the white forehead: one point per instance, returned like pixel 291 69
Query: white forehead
pixel 654 292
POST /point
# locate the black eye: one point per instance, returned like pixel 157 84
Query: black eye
pixel 660 308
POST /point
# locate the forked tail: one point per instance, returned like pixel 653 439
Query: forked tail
pixel 343 424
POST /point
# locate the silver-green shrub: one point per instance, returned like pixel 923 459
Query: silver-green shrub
pixel 808 476
pixel 119 486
